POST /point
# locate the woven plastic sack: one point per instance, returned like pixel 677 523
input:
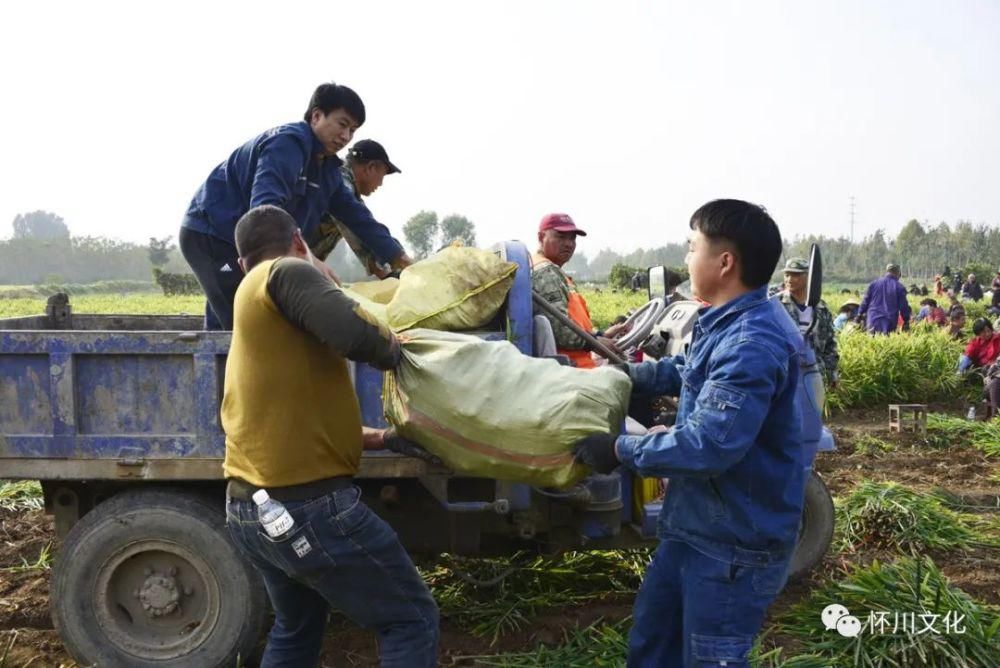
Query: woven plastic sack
pixel 456 289
pixel 377 310
pixel 380 292
pixel 488 410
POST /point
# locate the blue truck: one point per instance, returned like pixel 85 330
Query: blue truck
pixel 118 417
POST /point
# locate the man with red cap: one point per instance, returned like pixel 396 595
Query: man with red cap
pixel 557 235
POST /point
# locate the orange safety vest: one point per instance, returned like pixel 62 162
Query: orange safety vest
pixel 576 309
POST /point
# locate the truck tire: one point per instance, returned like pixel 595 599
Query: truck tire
pixel 149 578
pixel 816 531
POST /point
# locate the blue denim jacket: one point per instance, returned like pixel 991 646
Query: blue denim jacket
pixel 735 457
pixel 282 167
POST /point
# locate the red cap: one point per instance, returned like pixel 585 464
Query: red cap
pixel 560 222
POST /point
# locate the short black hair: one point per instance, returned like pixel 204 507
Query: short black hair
pixel 330 96
pixel 927 301
pixel 847 308
pixel 979 325
pixel 264 232
pixel 750 229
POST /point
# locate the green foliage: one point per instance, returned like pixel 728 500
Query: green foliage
pixel 138 304
pixel 527 584
pixel 605 306
pixel 77 260
pixel 40 225
pixel 21 495
pixel 921 250
pixel 918 367
pixel 621 275
pixel 946 430
pixel 906 586
pixel 984 272
pixel 159 251
pixel 975 310
pixel 890 516
pixel 866 444
pixel 458 228
pixel 176 284
pixel 596 645
pixel 670 255
pixel 100 287
pixel 42 563
pixel 420 232
pixel 773 659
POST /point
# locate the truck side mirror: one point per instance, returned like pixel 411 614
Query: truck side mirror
pixel 814 286
pixel 657 282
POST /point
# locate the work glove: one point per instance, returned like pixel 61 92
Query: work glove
pixel 393 441
pixel 598 452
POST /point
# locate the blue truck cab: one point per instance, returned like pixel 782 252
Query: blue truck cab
pixel 118 417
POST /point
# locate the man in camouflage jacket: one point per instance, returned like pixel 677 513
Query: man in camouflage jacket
pixel 823 338
pixel 557 235
pixel 366 165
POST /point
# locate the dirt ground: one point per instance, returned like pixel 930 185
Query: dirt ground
pixel 28 639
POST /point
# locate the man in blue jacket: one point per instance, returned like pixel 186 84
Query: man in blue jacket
pixel 735 458
pixel 884 302
pixel 294 167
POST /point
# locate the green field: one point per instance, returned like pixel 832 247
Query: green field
pixel 604 304
pixel 127 304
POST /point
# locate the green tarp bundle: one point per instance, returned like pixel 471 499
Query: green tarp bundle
pixel 488 410
pixel 456 289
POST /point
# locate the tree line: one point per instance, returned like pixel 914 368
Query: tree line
pixel 42 250
pixel 921 250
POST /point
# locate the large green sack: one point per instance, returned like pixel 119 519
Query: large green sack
pixel 457 289
pixel 488 410
pixel 380 292
pixel 377 310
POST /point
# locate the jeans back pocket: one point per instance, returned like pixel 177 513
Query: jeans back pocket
pixel 299 553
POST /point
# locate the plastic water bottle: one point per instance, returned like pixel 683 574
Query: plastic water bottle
pixel 274 517
pixel 971 415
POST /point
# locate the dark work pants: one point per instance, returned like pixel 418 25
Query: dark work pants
pixel 214 263
pixel 695 610
pixel 343 556
pixel 993 397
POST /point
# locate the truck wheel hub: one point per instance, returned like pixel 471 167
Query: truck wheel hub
pixel 159 595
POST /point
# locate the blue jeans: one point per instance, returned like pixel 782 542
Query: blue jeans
pixel 695 610
pixel 338 554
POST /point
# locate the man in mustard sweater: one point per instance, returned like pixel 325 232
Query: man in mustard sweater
pixel 293 427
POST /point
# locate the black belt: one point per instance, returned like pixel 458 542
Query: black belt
pixel 243 491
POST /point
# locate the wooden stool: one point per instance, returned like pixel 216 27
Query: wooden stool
pixel 914 415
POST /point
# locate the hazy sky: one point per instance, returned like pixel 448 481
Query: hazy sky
pixel 626 115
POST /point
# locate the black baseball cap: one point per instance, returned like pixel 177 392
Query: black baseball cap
pixel 369 149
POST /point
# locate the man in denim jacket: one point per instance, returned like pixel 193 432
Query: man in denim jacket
pixel 735 458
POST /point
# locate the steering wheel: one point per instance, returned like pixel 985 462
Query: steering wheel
pixel 640 324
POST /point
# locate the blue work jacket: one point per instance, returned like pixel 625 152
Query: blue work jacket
pixel 735 457
pixel 284 167
pixel 883 303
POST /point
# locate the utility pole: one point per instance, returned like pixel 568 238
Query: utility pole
pixel 852 220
